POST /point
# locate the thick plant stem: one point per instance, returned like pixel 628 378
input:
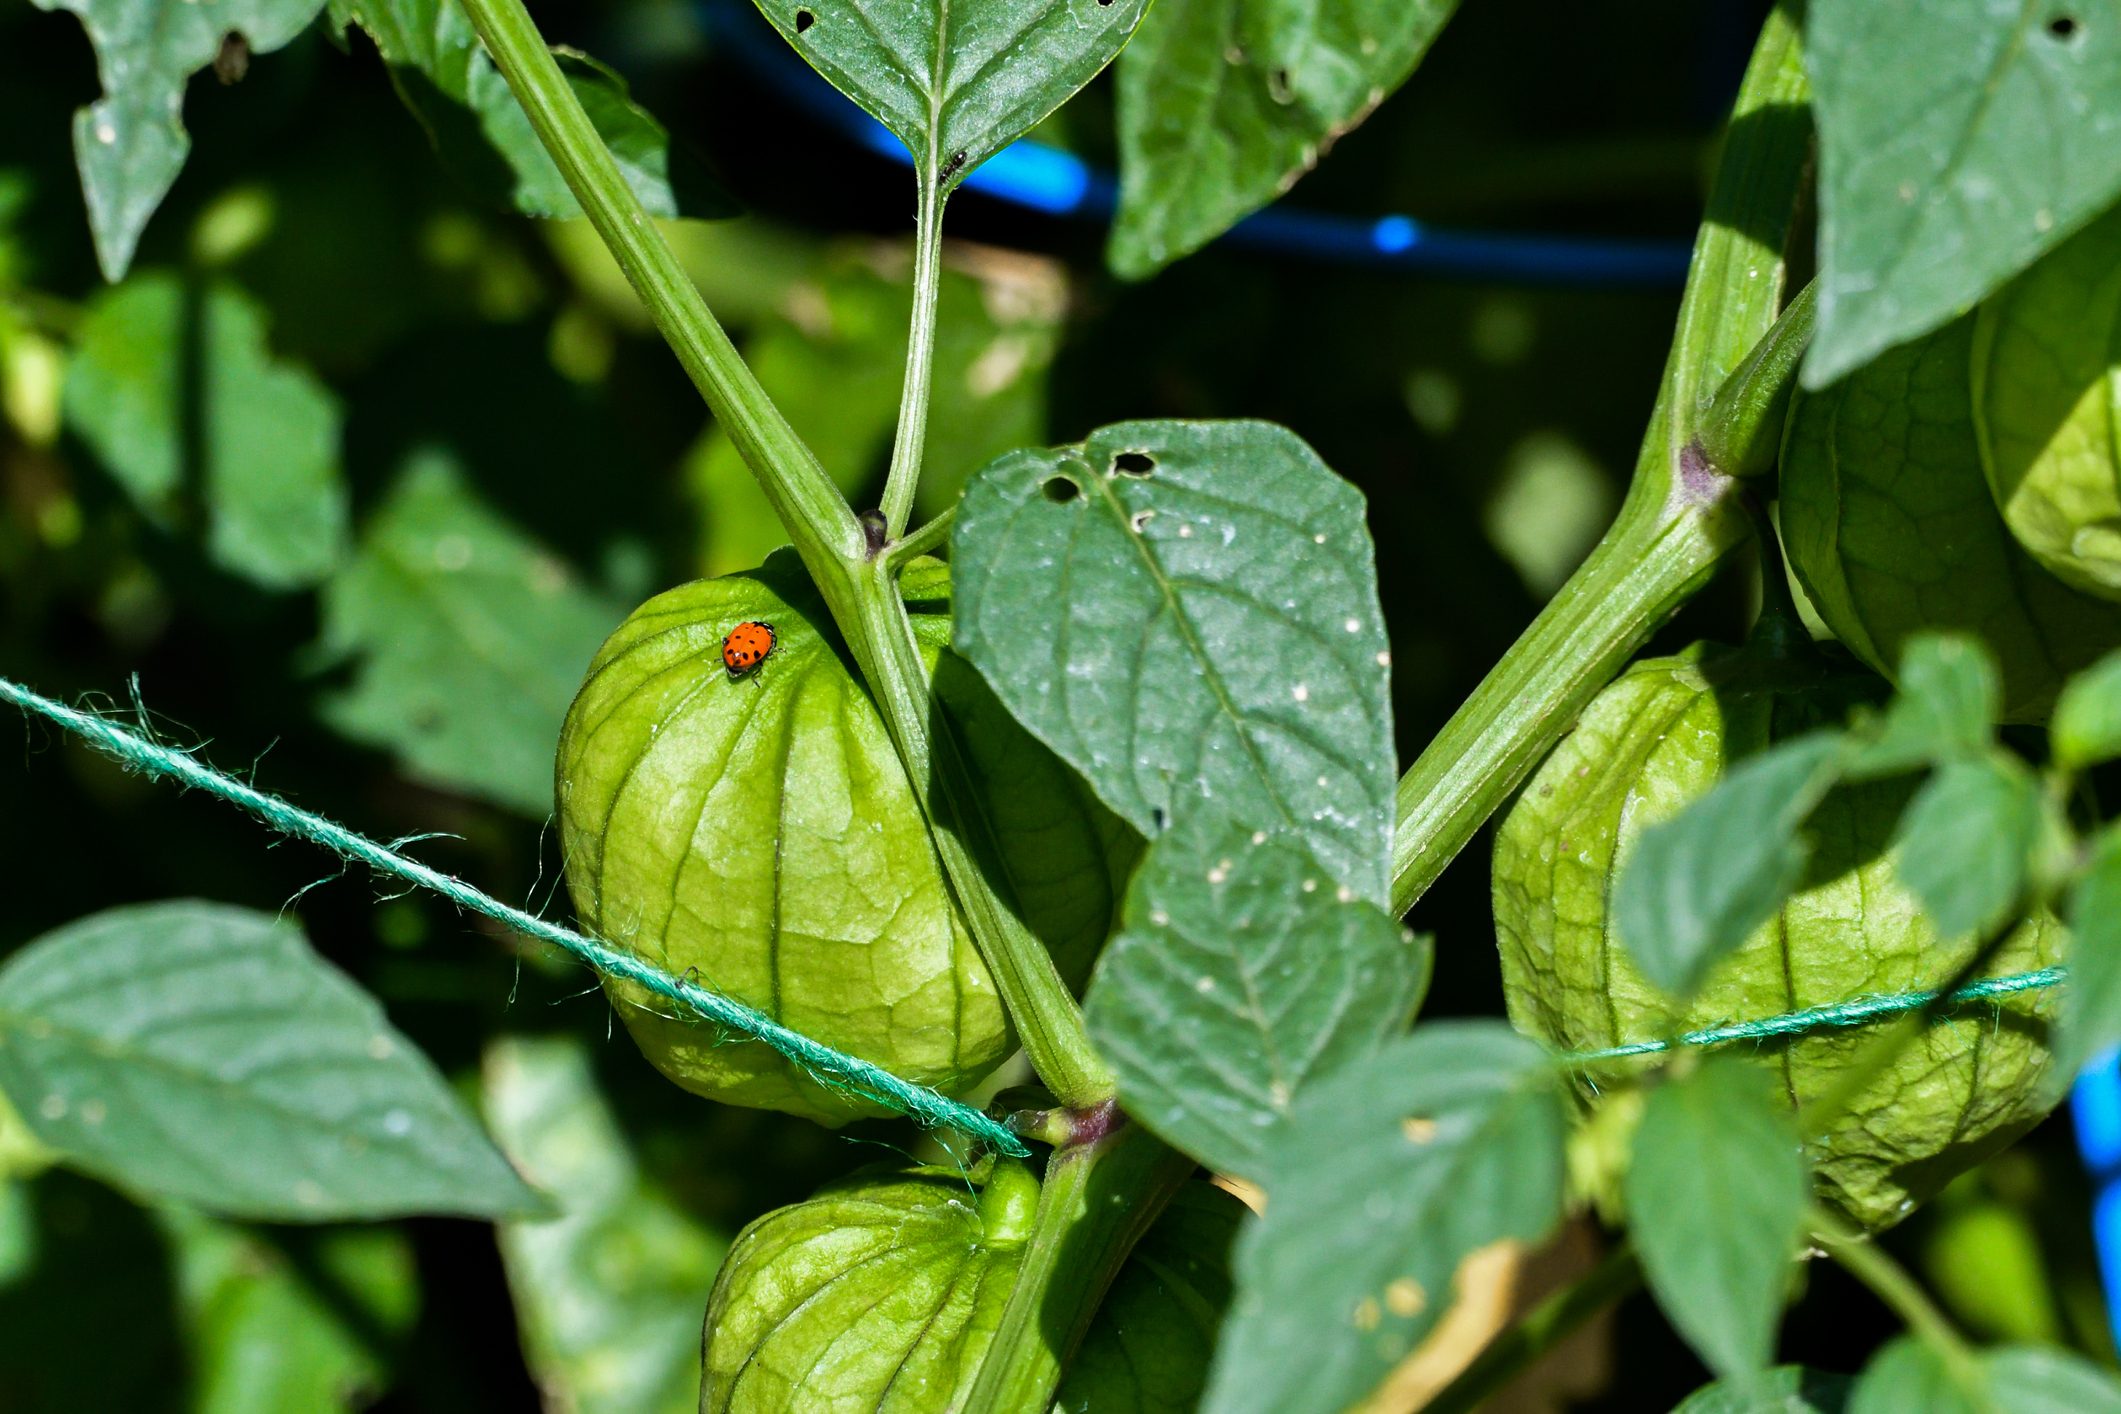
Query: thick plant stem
pixel 1099 1198
pixel 910 441
pixel 817 517
pixel 1545 1326
pixel 1043 1010
pixel 1679 519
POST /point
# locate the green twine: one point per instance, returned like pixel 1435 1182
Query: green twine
pixel 1820 1018
pixel 832 1068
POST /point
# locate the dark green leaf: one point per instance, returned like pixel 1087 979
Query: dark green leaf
pixel 285 1322
pixel 1966 841
pixel 1957 143
pixel 175 389
pixel 2086 730
pixel 471 640
pixel 1908 1376
pixel 608 1295
pixel 1390 1172
pixel 1948 699
pixel 1786 1389
pixel 956 82
pixel 2091 1003
pixel 130 143
pixel 205 1053
pixel 1243 973
pixel 1699 883
pixel 1223 104
pixel 1148 1349
pixel 1716 1196
pixel 1187 614
pixel 2037 1379
pixel 481 131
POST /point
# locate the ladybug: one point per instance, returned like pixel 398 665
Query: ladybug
pixel 749 644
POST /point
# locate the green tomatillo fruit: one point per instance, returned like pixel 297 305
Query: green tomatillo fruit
pixel 2046 381
pixel 1888 521
pixel 883 1292
pixel 1656 739
pixel 756 831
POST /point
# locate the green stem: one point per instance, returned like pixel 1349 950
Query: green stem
pixel 1099 1198
pixel 1044 1011
pixel 1679 519
pixel 1870 1264
pixel 818 520
pixel 902 552
pixel 1541 1329
pixel 1741 429
pixel 904 477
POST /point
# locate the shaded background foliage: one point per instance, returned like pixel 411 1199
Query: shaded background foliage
pixel 522 455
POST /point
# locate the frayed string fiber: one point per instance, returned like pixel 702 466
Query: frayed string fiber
pixel 834 1069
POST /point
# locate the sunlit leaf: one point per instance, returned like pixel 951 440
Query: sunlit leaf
pixel 1223 104
pixel 1187 613
pixel 956 82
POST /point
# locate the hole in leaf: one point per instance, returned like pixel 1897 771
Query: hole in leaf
pixel 1104 2
pixel 1157 817
pixel 2063 26
pixel 1060 490
pixel 1278 86
pixel 1133 464
pixel 804 20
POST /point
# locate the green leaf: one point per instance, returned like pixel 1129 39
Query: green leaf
pixel 1388 1175
pixel 2091 1003
pixel 469 639
pixel 1187 613
pixel 2086 730
pixel 1967 840
pixel 205 1053
pixel 1148 1348
pixel 1223 104
pixel 1948 699
pixel 130 144
pixel 176 390
pixel 290 1320
pixel 1957 143
pixel 1786 1389
pixel 1716 1198
pixel 2037 1379
pixel 956 82
pixel 608 1295
pixel 1242 974
pixel 1699 883
pixel 445 77
pixel 1908 1375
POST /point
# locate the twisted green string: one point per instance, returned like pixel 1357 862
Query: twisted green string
pixel 834 1069
pixel 1820 1018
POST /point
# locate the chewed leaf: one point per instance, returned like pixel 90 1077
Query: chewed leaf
pixel 956 82
pixel 1187 613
